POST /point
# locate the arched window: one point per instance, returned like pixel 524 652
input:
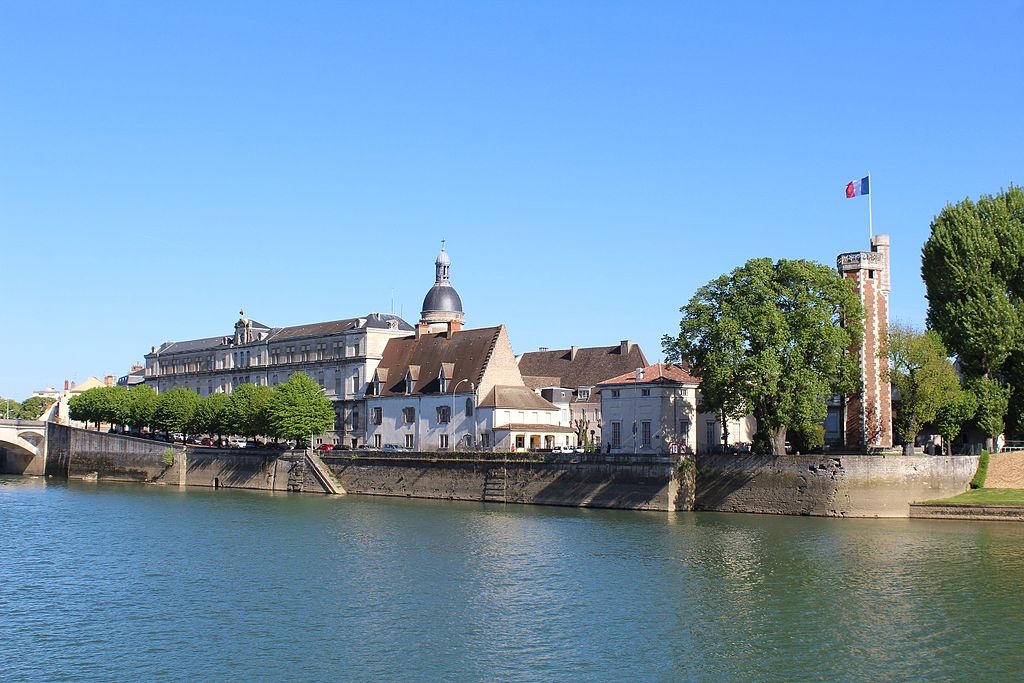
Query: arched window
pixel 469 407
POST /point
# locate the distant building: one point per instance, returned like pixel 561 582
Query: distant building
pixel 649 409
pixel 340 355
pixel 135 376
pixel 569 378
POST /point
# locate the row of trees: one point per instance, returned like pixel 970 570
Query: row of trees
pixel 293 410
pixel 31 408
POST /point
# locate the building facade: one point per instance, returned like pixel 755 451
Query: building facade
pixel 340 355
pixel 571 378
pixel 649 409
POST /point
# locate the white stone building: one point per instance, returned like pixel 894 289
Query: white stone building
pixel 647 410
pixel 339 355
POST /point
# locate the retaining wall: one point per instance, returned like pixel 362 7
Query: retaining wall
pixel 639 484
pixel 831 486
pixel 82 454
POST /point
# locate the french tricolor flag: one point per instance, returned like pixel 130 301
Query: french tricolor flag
pixel 856 188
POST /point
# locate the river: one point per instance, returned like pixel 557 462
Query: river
pixel 130 582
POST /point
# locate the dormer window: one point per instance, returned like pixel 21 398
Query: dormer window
pixel 409 383
pixel 583 393
pixel 375 386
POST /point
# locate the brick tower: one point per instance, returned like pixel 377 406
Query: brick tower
pixel 868 413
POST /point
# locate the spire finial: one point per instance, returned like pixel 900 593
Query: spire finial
pixel 443 240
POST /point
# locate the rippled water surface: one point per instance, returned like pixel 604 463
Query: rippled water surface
pixel 126 582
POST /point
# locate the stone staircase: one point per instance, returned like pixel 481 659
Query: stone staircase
pixel 322 474
pixel 495 485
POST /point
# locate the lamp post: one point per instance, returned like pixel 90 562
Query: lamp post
pixel 451 417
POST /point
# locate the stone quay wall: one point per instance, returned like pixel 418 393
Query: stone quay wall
pixel 587 480
pixel 82 454
pixel 829 486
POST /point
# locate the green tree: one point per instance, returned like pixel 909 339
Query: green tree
pixel 9 408
pixel 923 378
pixel 142 401
pixel 298 408
pixel 247 410
pixel 33 407
pixel 114 405
pixel 85 407
pixel 175 409
pixel 772 339
pixel 952 417
pixel 973 269
pixel 993 399
pixel 211 416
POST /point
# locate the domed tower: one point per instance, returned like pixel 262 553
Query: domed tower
pixel 442 307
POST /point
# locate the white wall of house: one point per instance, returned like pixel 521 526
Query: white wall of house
pixel 646 418
pixel 425 432
pixel 709 431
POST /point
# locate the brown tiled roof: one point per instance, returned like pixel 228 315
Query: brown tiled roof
pixel 541 382
pixel 590 366
pixel 466 351
pixel 558 429
pixel 504 396
pixel 659 372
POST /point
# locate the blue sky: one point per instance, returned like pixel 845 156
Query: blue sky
pixel 591 164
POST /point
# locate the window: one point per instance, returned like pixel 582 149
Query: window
pixel 354 419
pixel 320 379
pixel 616 435
pixel 444 414
pixel 485 440
pixel 377 415
pixel 645 392
pixel 615 393
pixel 684 430
pixel 520 441
pixel 408 415
pixel 339 389
pixel 443 441
pixel 356 383
pixel 645 434
pixel 409 383
pixel 376 440
pixel 584 393
pixel 443 382
pixel 408 441
pixel 375 387
pixel 469 407
pixel 709 432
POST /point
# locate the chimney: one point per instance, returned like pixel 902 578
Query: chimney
pixel 453 327
pixel 573 350
pixel 543 348
pixel 639 374
pixel 108 381
pixel 67 384
pixel 422 328
pixel 625 346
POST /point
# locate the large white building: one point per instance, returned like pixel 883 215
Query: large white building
pixel 340 355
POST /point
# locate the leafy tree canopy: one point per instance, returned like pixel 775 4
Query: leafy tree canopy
pixel 247 410
pixel 175 409
pixel 9 408
pixel 993 398
pixel 923 377
pixel 973 268
pixel 142 401
pixel 771 338
pixel 211 415
pixel 299 408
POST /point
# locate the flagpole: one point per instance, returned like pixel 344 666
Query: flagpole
pixel 871 229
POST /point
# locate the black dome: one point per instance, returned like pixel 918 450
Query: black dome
pixel 442 298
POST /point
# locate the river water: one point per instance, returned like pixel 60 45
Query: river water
pixel 129 582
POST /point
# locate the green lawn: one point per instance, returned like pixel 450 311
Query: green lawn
pixel 983 497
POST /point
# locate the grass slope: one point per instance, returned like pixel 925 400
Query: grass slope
pixel 983 497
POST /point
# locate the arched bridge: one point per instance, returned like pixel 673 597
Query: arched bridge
pixel 22 446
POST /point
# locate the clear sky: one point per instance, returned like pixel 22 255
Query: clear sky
pixel 591 164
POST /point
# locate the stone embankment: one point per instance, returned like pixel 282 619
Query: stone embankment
pixel 830 486
pixel 992 513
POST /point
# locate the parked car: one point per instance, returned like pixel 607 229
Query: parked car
pixel 563 449
pixel 235 442
pixel 207 441
pixel 394 448
pixel 325 447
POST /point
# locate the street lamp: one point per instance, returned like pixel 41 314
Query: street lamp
pixel 451 417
